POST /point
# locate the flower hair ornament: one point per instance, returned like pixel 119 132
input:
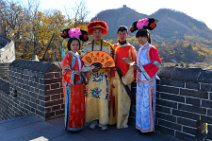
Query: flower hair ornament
pixel 146 23
pixel 75 33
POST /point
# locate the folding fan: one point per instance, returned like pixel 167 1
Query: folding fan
pixel 100 57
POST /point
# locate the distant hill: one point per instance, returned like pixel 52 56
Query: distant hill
pixel 117 17
pixel 180 38
pixel 172 24
pixel 177 24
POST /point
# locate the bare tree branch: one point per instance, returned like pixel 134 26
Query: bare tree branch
pixel 79 11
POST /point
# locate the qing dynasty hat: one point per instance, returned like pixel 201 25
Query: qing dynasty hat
pixel 146 23
pixel 98 24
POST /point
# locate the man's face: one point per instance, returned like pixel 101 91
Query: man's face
pixel 97 34
pixel 122 35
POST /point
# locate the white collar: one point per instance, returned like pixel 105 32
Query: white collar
pixel 144 45
pixel 75 54
pixel 78 59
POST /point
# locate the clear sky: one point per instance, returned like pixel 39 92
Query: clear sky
pixel 198 9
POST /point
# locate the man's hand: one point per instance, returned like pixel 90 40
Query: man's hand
pixel 77 72
pixel 96 69
pixel 128 61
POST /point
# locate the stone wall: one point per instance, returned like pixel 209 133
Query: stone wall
pixel 4 69
pixel 184 97
pixel 34 89
pixel 4 91
pixel 7 50
pixel 3 41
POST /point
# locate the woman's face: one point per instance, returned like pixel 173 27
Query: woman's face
pixel 75 46
pixel 142 40
pixel 97 34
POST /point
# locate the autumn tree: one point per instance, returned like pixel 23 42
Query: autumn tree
pixel 36 32
pixel 51 25
pixel 32 16
pixel 78 14
pixel 12 19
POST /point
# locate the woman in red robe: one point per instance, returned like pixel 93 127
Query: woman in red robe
pixel 73 87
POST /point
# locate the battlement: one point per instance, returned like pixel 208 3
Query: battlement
pixel 34 89
pixel 7 50
pixel 4 41
pixel 184 96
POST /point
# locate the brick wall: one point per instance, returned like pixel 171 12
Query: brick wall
pixel 4 99
pixel 184 96
pixel 35 89
pixel 4 69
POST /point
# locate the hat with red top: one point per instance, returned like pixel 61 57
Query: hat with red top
pixel 146 23
pixel 98 24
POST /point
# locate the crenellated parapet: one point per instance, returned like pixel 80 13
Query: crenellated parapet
pixel 7 50
pixel 184 97
pixel 34 89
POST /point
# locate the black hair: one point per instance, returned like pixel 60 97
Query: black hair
pixel 70 41
pixel 144 33
pixel 122 28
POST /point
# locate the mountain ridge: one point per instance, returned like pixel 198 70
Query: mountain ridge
pixel 172 24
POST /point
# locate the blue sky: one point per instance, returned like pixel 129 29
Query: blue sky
pixel 198 9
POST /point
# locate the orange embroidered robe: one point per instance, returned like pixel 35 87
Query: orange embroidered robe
pixel 122 99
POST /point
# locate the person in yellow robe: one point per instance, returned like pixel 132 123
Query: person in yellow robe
pixel 97 111
pixel 123 77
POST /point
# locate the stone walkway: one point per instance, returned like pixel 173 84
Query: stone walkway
pixel 31 128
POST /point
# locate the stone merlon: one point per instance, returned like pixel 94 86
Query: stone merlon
pixel 186 74
pixel 35 66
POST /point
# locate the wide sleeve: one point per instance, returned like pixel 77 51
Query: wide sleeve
pixel 113 70
pixel 130 76
pixel 152 68
pixel 134 55
pixel 67 72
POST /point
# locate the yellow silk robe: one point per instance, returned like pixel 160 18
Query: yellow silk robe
pixel 98 86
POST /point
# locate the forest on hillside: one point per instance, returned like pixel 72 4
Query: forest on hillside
pixel 183 52
pixel 36 32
